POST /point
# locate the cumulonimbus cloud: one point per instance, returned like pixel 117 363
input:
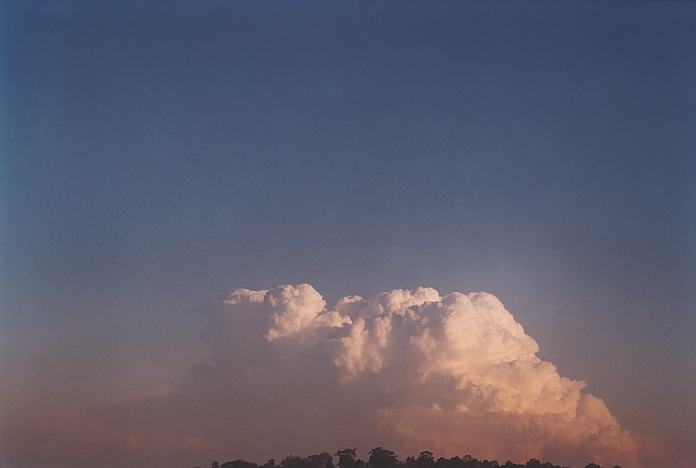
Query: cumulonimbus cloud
pixel 415 369
pixel 410 370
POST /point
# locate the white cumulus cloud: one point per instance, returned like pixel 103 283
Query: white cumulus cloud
pixel 408 370
pixel 455 373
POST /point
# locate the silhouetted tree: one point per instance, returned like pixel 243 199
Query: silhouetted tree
pixel 346 458
pixel 292 461
pixel 323 460
pixel 425 459
pixel 239 464
pixel 382 458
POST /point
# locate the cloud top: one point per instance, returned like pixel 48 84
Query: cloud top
pixel 456 373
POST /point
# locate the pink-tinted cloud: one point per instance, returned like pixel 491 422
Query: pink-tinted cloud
pixel 411 370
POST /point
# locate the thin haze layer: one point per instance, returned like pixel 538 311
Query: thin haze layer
pixel 411 370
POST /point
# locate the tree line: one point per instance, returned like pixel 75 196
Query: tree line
pixel 383 458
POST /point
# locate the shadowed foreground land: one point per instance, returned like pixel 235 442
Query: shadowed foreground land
pixel 383 458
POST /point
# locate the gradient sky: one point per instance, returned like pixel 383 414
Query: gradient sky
pixel 155 154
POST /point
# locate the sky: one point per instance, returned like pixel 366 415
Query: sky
pixel 154 155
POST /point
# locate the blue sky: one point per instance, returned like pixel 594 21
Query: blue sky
pixel 154 154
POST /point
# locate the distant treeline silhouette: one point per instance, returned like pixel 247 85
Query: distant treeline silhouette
pixel 383 458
